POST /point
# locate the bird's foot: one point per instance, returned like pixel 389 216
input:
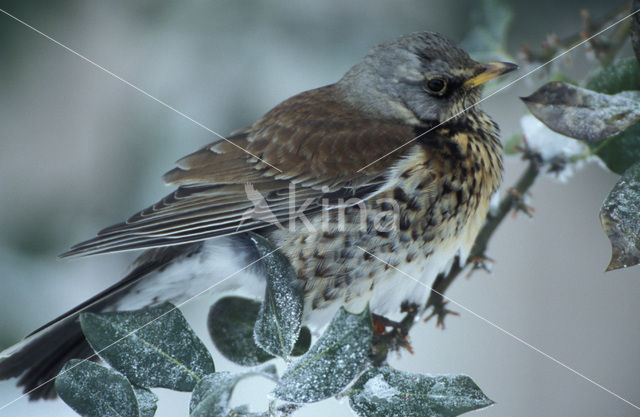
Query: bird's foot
pixel 440 312
pixel 394 339
pixel 520 205
pixel 480 262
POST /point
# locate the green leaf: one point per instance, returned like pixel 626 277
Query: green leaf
pixel 230 324
pixel 621 151
pixel 303 343
pixel 487 39
pixel 95 391
pixel 164 352
pixel 620 219
pixel 280 318
pixel 623 75
pixel 332 362
pixel 382 392
pixel 147 401
pixel 210 397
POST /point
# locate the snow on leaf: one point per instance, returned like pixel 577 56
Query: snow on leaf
pixel 147 401
pixel 210 397
pixel 620 219
pixel 95 391
pixel 230 323
pixel 278 325
pixel 332 362
pixel 164 353
pixel 386 392
pixel 583 114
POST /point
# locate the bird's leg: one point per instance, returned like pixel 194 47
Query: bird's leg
pixel 396 338
pixel 440 312
pixel 477 262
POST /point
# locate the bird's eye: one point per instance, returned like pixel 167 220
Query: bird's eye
pixel 435 86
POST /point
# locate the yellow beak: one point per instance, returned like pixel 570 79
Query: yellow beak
pixel 491 71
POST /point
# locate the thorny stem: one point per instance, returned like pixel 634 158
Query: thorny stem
pixel 605 49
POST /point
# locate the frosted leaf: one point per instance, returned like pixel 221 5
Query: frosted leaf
pixel 583 114
pixel 332 362
pixel 387 392
pixel 210 397
pixel 147 401
pixel 230 324
pixel 95 391
pixel 165 353
pixel 620 219
pixel 280 318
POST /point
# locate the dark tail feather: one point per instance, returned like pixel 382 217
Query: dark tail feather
pixel 41 359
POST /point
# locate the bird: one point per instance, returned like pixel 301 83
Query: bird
pixel 389 169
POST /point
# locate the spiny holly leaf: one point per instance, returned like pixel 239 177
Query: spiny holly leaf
pixel 623 75
pixel 164 352
pixel 332 362
pixel 303 343
pixel 383 392
pixel 583 114
pixel 95 391
pixel 147 401
pixel 620 219
pixel 210 397
pixel 280 318
pixel 230 323
pixel 621 151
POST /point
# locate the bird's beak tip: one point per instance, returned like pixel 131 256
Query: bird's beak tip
pixel 491 71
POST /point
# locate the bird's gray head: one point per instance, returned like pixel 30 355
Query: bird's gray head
pixel 418 78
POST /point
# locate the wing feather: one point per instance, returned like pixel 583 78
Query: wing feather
pixel 316 141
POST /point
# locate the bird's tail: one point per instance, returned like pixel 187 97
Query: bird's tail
pixel 39 358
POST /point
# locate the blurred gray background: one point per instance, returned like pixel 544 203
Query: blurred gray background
pixel 80 150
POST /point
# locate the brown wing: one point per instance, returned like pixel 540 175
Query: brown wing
pixel 312 141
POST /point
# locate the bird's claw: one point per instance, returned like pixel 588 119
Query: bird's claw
pixel 440 312
pixel 519 204
pixel 479 262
